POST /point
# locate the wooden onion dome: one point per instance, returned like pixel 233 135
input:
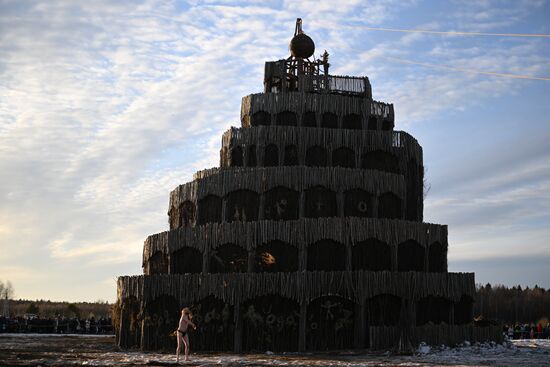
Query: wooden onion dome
pixel 301 46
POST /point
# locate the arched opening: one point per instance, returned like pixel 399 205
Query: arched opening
pixel 270 322
pixel 271 156
pixel 329 120
pixel 326 255
pixel 158 263
pixel 358 203
pixel 215 325
pixel 242 206
pixel 372 123
pixel 251 159
pixel 432 310
pixel 309 119
pixel 261 118
pixel 389 206
pixel 410 256
pixel 383 310
pixel 437 258
pixel 228 258
pixel 236 157
pixel 316 156
pixel 186 260
pixel 174 218
pixel 330 323
pixel 387 125
pixel 129 329
pixel 380 161
pixel 414 190
pixel 286 118
pixel 281 203
pixel 343 157
pixel 371 255
pixel 187 213
pixel 161 317
pixel 352 121
pixel 276 256
pixel 291 155
pixel 210 209
pixel 320 202
pixel 463 310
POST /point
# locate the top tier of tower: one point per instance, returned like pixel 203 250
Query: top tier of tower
pixel 299 91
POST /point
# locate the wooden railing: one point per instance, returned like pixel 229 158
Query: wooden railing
pixel 345 85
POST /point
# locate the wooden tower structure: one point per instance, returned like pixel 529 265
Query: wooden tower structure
pixel 309 236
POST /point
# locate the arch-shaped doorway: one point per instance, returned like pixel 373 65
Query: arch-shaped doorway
pixel 410 256
pixel 270 322
pixel 320 202
pixel 371 255
pixel 158 263
pixel 242 206
pixel 326 255
pixel 228 258
pixel 186 260
pixel 343 157
pixel 281 203
pixel 433 310
pixel 161 315
pixel 129 329
pixel 276 256
pixel 210 209
pixel 330 323
pixel 215 325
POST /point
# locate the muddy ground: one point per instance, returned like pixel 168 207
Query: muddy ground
pixel 88 350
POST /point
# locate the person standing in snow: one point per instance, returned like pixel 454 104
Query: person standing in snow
pixel 185 321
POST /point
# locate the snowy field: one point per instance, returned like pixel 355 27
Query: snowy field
pixel 55 350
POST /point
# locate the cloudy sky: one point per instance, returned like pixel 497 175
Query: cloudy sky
pixel 106 106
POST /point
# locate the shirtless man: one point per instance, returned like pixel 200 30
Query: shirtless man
pixel 184 323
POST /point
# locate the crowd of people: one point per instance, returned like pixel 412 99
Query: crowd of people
pixel 56 325
pixel 103 325
pixel 527 331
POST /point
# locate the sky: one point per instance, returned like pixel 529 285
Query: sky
pixel 106 106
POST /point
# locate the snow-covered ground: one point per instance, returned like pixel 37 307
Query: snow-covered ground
pixel 50 350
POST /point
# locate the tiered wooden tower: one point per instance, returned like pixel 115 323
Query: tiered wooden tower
pixel 308 237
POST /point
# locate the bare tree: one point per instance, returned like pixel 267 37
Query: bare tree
pixel 426 185
pixel 6 293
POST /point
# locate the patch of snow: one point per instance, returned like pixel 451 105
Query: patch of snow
pixel 36 335
pixel 55 351
pixel 423 348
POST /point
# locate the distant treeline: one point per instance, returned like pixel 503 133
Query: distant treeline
pixel 513 305
pixel 509 305
pixel 49 309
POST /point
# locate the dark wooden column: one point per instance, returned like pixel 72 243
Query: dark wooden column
pixel 144 334
pixel 302 326
pixel 206 260
pixel 360 324
pixel 302 257
pixel 251 258
pixel 374 206
pixel 302 205
pixel 340 204
pixel 349 252
pixel 394 254
pixel 261 207
pixel 237 341
pixel 224 210
pixel 426 256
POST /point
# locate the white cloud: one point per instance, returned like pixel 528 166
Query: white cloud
pixel 106 107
